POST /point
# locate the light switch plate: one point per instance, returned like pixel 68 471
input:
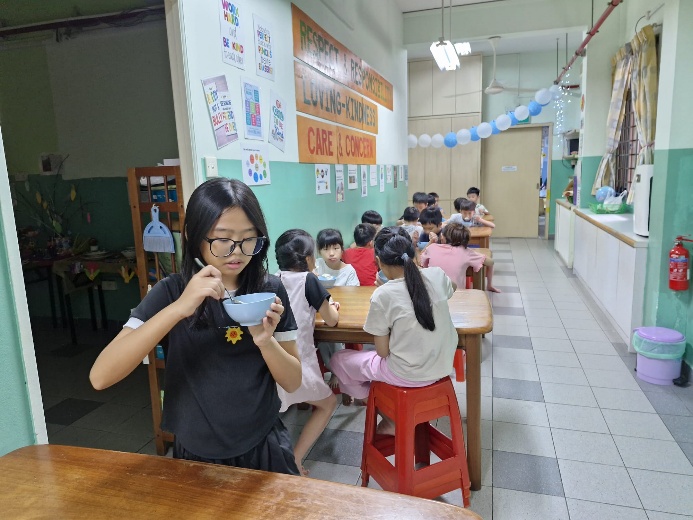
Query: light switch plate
pixel 211 167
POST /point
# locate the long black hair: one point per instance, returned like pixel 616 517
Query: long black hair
pixel 393 246
pixel 292 249
pixel 206 205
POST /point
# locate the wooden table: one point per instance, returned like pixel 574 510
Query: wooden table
pixel 479 277
pixel 44 271
pixel 480 236
pixel 471 314
pixel 488 217
pixel 67 482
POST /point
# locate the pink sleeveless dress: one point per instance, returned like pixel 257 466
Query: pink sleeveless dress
pixel 313 386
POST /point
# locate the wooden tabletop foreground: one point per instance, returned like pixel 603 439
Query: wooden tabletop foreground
pixel 66 482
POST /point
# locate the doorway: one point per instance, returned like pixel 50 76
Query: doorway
pixel 512 177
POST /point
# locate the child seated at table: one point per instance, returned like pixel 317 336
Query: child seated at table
pixel 331 249
pixel 410 222
pixel 362 257
pixel 370 217
pixel 433 203
pixel 431 221
pixel 473 195
pixel 454 257
pixel 467 216
pixel 415 339
pixel 295 250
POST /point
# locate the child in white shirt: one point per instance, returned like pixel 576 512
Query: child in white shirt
pixel 473 195
pixel 410 222
pixel 415 339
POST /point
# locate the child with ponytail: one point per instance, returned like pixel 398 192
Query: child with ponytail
pixel 415 339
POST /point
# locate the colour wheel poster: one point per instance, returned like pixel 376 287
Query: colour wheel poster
pixel 255 164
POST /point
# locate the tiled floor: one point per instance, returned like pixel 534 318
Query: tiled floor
pixel 567 429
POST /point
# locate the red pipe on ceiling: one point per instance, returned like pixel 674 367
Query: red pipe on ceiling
pixel 613 4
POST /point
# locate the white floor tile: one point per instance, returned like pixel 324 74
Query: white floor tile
pixel 506 299
pixel 578 418
pixel 538 305
pixel 658 515
pixel 603 362
pixel 611 379
pixel 548 332
pixel 534 297
pixel 583 510
pixel 332 472
pixel 562 375
pixel 519 505
pixel 522 438
pixel 540 321
pixel 510 330
pixel 586 335
pixel 553 345
pixel 513 355
pixel 524 372
pixel 586 447
pixel 664 492
pixel 602 348
pixel 520 412
pixel 574 323
pixel 556 359
pixel 568 394
pixel 502 319
pixel 582 314
pixel 538 312
pixel 636 424
pixel 572 306
pixel 615 399
pixel 598 483
pixel 654 455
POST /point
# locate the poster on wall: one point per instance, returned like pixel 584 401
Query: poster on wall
pixel 400 173
pixel 255 164
pixel 389 173
pixel 382 179
pixel 264 59
pixel 406 175
pixel 364 182
pixel 352 180
pixel 251 107
pixel 395 177
pixel 220 109
pixel 232 17
pixel 277 121
pixel 339 181
pixel 322 179
pixel 374 174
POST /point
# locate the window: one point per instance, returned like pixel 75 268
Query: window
pixel 628 149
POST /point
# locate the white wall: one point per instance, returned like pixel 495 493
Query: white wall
pixel 112 100
pixel 376 37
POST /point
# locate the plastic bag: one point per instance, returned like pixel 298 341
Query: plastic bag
pixel 614 202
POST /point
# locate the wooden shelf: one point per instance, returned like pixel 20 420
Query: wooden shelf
pixel 172 214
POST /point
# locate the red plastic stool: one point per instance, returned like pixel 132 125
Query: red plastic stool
pixel 470 282
pixel 458 363
pixel 415 438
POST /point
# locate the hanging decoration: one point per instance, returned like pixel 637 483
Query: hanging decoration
pixel 437 141
pixel 450 140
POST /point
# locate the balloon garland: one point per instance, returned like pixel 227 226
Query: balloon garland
pixel 542 97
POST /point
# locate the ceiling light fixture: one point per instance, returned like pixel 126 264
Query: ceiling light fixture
pixel 463 48
pixel 443 50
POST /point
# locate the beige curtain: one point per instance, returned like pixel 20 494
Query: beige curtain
pixel 644 84
pixel 622 71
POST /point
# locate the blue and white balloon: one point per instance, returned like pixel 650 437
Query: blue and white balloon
pixel 450 140
pixel 521 113
pixel 494 128
pixel 424 140
pixel 534 108
pixel 503 122
pixel 484 130
pixel 513 119
pixel 475 135
pixel 437 140
pixel 555 91
pixel 464 136
pixel 412 141
pixel 543 96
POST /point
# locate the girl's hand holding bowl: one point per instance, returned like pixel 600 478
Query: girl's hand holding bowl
pixel 263 333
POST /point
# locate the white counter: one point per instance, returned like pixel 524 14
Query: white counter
pixel 610 259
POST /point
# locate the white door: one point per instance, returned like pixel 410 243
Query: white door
pixel 510 174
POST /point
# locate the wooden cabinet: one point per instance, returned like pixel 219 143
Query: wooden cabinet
pixel 565 233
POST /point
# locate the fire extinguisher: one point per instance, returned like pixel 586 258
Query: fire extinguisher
pixel 679 259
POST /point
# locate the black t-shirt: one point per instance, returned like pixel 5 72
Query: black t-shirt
pixel 424 236
pixel 316 294
pixel 220 397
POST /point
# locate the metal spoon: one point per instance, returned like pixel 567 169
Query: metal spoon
pixel 229 297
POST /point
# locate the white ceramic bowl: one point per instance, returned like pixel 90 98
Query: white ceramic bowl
pixel 130 254
pixel 327 280
pixel 252 310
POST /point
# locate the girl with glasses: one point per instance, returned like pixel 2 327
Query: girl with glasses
pixel 221 399
pixel 295 251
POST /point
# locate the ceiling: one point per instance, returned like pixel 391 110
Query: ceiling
pixel 408 6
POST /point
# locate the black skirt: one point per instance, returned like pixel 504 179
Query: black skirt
pixel 274 453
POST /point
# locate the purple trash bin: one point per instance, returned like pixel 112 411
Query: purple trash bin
pixel 659 354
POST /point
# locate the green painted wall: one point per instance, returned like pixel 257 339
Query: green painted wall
pixel 290 201
pixel 16 427
pixel 26 108
pixel 590 164
pixel 664 307
pixel 561 173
